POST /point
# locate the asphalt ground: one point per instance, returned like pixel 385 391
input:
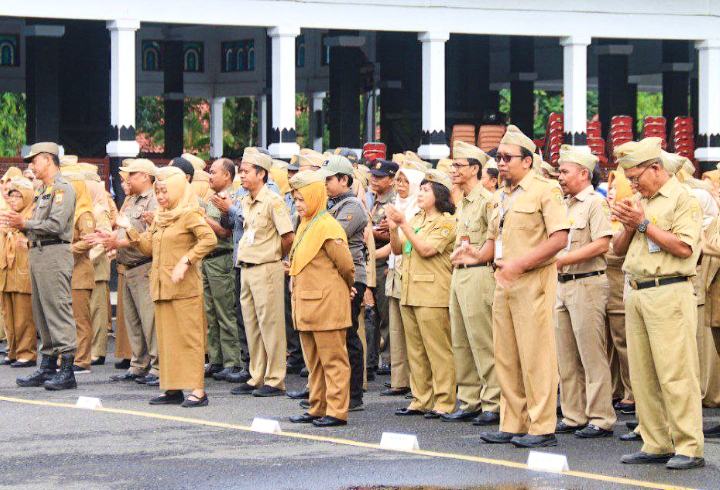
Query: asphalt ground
pixel 48 443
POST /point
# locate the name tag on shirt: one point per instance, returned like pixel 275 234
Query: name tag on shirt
pixel 391 261
pixel 653 247
pixel 464 241
pixel 498 250
pixel 567 247
pixel 250 237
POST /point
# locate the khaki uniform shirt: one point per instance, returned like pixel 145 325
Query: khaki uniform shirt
pixel 426 281
pixel 54 212
pixel 133 208
pixel 536 212
pixel 16 278
pixel 473 215
pixel 378 214
pixel 589 220
pixel 673 209
pixel 83 275
pixel 268 219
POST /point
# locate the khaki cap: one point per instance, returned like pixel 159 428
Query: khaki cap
pixel 201 176
pixel 21 183
pixel 414 157
pixel 72 173
pixel 549 168
pixel 195 161
pixel 409 164
pixel 140 165
pixel 252 156
pixel 280 164
pixel 337 164
pixel 466 150
pixel 672 162
pixel 634 153
pixel 90 171
pixel 38 148
pixel 302 179
pixel 67 160
pixel 439 177
pixel 513 136
pixel 12 173
pixel 398 158
pixel 491 163
pixel 578 154
pixel 362 174
pixel 311 158
pixel 445 165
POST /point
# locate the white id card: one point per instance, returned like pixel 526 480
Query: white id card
pixel 653 247
pixel 498 250
pixel 567 247
pixel 391 261
pixel 250 237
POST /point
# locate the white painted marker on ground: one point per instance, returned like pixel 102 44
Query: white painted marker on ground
pixel 538 460
pixel 268 426
pixel 401 442
pixel 88 402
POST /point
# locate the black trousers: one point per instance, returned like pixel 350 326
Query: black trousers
pixel 381 320
pixel 294 349
pixel 244 350
pixel 356 355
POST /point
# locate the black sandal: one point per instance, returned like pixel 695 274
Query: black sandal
pixel 168 398
pixel 198 402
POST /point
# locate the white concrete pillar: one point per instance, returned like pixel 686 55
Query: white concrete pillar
pixel 708 148
pixel 283 138
pixel 317 121
pixel 433 141
pixel 575 88
pixel 122 88
pixel 216 127
pixel 262 120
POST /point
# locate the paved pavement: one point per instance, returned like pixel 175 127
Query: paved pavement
pixel 60 447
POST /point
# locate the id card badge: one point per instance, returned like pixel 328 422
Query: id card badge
pixel 653 247
pixel 567 247
pixel 391 261
pixel 250 237
pixel 464 241
pixel 498 250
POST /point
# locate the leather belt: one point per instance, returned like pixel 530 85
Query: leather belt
pixel 138 264
pixel 657 282
pixel 219 253
pixel 572 277
pixel 470 266
pixel 246 265
pixel 45 243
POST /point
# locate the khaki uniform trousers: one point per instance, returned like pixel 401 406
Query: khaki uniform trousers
pixel 3 334
pixel 664 368
pixel 618 356
pixel 471 300
pixel 263 307
pixel 525 352
pixel 50 274
pixel 83 325
pixel 430 355
pixel 21 332
pixel 585 382
pixel 329 381
pixel 363 341
pixel 399 367
pixel 99 314
pixel 140 323
pixel 122 344
pixel 219 286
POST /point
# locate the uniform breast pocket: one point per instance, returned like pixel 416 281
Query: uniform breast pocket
pixel 662 223
pixel 526 216
pixel 309 295
pixel 423 278
pixel 261 222
pixel 579 229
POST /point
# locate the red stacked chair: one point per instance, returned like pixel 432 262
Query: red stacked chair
pixel 554 137
pixel 595 140
pixel 374 150
pixel 620 132
pixel 655 127
pixel 462 132
pixel 683 137
pixel 489 136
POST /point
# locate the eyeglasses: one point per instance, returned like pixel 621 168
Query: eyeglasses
pixel 458 166
pixel 506 158
pixel 635 180
pixel 15 196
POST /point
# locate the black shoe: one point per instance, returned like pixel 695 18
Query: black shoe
pixel 530 441
pixel 146 379
pixel 487 418
pixel 395 392
pixel 167 398
pixel 432 415
pixel 646 458
pixel 100 361
pixel 712 432
pixel 305 404
pixel 383 370
pixel 305 418
pixel 632 424
pixel 626 408
pixel 48 368
pixel 243 389
pixel 304 373
pixel 7 362
pixel 239 376
pixel 370 375
pixel 124 364
pixel 155 382
pixel 303 394
pixel 211 369
pixel 563 428
pixel 23 364
pixel 221 375
pixel 408 411
pixel 593 432
pixel 294 368
pixel 409 396
pixel 680 462
pixel 266 391
pixel 64 379
pixel 630 436
pixel 459 416
pixel 498 437
pixel 356 406
pixel 127 376
pixel 198 402
pixel 328 421
pixel 387 384
pixel 79 370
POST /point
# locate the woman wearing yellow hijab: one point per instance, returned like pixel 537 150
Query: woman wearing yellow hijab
pixel 178 239
pixel 83 277
pixel 618 189
pixel 15 281
pixel 322 271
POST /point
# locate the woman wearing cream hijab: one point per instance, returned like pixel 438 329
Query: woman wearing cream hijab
pixel 15 281
pixel 177 240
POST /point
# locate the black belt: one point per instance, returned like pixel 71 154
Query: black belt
pixel 138 264
pixel 219 253
pixel 45 243
pixel 246 265
pixel 658 281
pixel 469 266
pixel 572 277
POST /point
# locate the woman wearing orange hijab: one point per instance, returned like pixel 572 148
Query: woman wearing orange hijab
pixel 323 274
pixel 15 281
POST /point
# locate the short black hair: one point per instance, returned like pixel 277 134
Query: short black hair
pixel 185 166
pixel 55 159
pixel 349 179
pixel 258 168
pixel 494 173
pixel 525 153
pixel 475 161
pixel 596 177
pixel 443 201
pixel 228 166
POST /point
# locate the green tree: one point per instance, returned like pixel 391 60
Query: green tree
pixel 240 125
pixel 13 121
pixel 648 104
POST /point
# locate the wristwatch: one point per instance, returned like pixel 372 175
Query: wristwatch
pixel 642 227
pixel 185 260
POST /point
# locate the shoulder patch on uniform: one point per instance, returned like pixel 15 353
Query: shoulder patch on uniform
pixel 349 217
pixel 557 194
pixel 606 208
pixel 59 196
pixel 279 208
pixel 89 223
pixel 695 213
pixel 339 241
pixel 446 228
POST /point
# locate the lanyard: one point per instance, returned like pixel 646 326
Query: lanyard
pixel 292 253
pixel 503 210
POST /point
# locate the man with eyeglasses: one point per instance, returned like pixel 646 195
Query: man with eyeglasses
pixel 661 243
pixel 471 297
pixel 528 227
